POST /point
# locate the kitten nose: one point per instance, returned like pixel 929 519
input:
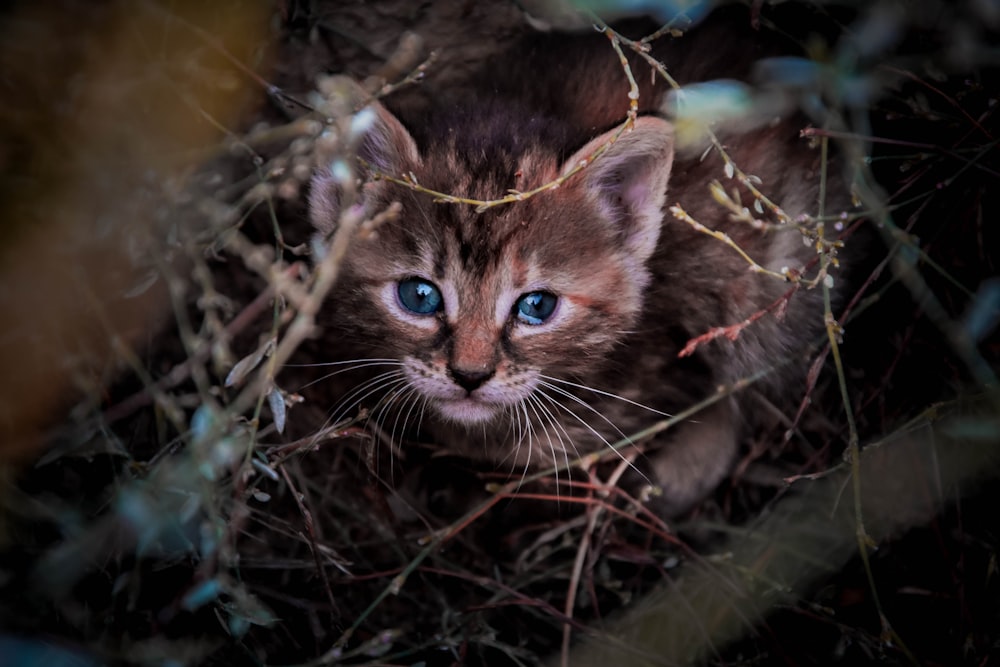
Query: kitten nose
pixel 470 380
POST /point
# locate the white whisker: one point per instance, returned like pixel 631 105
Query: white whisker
pixel 583 422
pixel 384 407
pixel 579 401
pixel 356 365
pixel 517 430
pixel 560 431
pixel 407 403
pixel 320 364
pixel 606 394
pixel 384 381
pixel 536 405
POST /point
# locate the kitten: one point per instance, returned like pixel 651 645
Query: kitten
pixel 532 332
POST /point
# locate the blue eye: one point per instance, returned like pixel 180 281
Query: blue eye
pixel 419 296
pixel 535 307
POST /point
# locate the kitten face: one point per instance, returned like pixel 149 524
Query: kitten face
pixel 479 329
pixel 477 307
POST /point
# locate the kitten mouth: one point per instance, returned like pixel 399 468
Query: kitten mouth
pixel 466 410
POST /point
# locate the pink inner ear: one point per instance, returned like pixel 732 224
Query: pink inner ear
pixel 629 182
pixel 636 195
pixel 324 203
pixel 385 144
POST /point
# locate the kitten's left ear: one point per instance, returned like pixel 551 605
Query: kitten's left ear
pixel 629 181
pixel 376 138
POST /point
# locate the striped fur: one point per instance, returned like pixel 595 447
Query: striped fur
pixel 634 285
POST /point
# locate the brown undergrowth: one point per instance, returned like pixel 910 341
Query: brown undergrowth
pixel 157 511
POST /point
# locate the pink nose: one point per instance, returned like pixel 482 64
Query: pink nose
pixel 470 380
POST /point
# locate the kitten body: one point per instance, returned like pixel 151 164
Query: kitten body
pixel 532 332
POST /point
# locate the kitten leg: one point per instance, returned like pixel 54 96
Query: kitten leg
pixel 698 456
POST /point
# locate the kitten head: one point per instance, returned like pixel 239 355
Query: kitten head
pixel 479 307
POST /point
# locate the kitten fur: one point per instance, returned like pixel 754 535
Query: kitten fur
pixel 633 284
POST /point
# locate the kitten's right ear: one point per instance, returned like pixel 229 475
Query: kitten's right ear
pixel 377 140
pixel 629 181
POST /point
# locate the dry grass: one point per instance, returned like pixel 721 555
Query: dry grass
pixel 159 277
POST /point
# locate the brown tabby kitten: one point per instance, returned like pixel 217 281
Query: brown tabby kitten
pixel 536 331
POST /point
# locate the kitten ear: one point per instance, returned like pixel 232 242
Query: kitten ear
pixel 629 181
pixel 377 139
